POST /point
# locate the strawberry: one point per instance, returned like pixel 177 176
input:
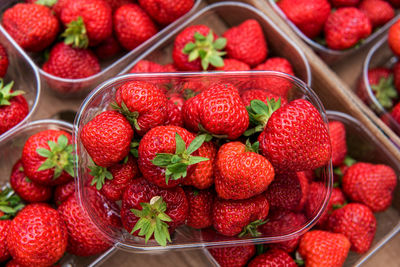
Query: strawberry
pixel 396 76
pixel 273 257
pixel 3 61
pixel 177 99
pixel 144 203
pixel 357 222
pixel 62 192
pixel 200 207
pixel 370 184
pixel 265 96
pixel 308 15
pixel 13 107
pixel 246 42
pixel 295 138
pixel 175 116
pixel 240 172
pixel 233 217
pixel 47 157
pixel 345 27
pixel 72 63
pixel 338 142
pixel 115 4
pixel 132 26
pixel 32 26
pixel 37 236
pixel 147 66
pixel 107 138
pixel 27 189
pixel 231 64
pixel 342 3
pixel 144 105
pixel 378 11
pixel 166 155
pixel 4 253
pixel 108 48
pixel 394 38
pixel 323 249
pixel 395 113
pixel 236 256
pixel 166 11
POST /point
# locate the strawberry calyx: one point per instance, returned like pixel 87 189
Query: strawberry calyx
pixel 206 49
pixel 298 259
pixel 75 34
pixel 134 148
pixel 252 147
pixel 349 161
pixel 10 203
pixel 338 206
pixel 259 114
pixel 385 91
pixel 6 94
pixel 59 157
pixel 132 117
pixel 100 174
pixel 251 229
pixel 48 3
pixel 176 164
pixel 153 221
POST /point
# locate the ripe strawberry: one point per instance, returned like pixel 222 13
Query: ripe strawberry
pixel 132 26
pixel 108 48
pixel 72 63
pixel 13 107
pixel 4 253
pixel 231 64
pixel 27 189
pixel 296 138
pixel 342 3
pixel 273 257
pixel 308 15
pixel 345 27
pixel 174 115
pixel 115 4
pixel 3 61
pixel 338 142
pixel 236 256
pixel 357 222
pixel 265 96
pixel 396 76
pixel 13 263
pixel 246 42
pixel 144 105
pixel 200 207
pixel 378 11
pixel 47 157
pixel 107 138
pixel 321 248
pixel 166 11
pixel 144 203
pixel 147 66
pixel 177 99
pixel 62 192
pixel 395 113
pixel 370 184
pixel 233 217
pixel 37 236
pixel 394 38
pixel 32 26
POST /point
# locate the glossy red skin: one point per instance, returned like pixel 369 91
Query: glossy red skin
pixel 175 116
pixel 273 257
pixel 31 160
pixel 115 4
pixel 190 112
pixel 32 26
pixel 337 133
pixel 147 66
pixel 13 263
pixel 161 139
pixel 345 27
pixel 246 42
pixel 308 15
pixel 342 3
pixel 132 26
pixel 4 226
pixel 396 76
pixel 200 207
pixel 148 100
pixel 11 115
pixel 357 222
pixel 262 95
pixel 177 99
pixel 166 11
pixel 374 76
pixel 108 48
pixel 231 64
pixel 394 38
pixel 73 63
pixel 37 236
pixel 395 113
pixel 27 189
pixel 378 11
pixel 236 256
pixel 231 216
pixel 62 192
pixel 107 138
pixel 296 138
pixel 141 191
pixel 3 61
pixel 370 184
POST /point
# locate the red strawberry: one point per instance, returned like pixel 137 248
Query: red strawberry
pixel 27 189
pixel 175 116
pixel 345 27
pixel 295 138
pixel 3 61
pixel 13 107
pixel 231 64
pixel 370 184
pixel 107 138
pixel 143 202
pixel 13 263
pixel 378 11
pixel 177 99
pixel 396 76
pixel 147 66
pixel 246 42
pixel 108 48
pixel 166 11
pixel 308 15
pixel 321 248
pixel 233 217
pixel 144 105
pixel 4 253
pixel 200 207
pixel 62 192
pixel 338 142
pixel 32 26
pixel 342 3
pixel 265 96
pixel 357 222
pixel 47 157
pixel 37 236
pixel 236 256
pixel 394 38
pixel 72 63
pixel 395 113
pixel 115 4
pixel 273 257
pixel 132 26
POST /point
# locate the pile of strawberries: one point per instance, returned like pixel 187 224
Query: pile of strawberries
pixel 338 24
pixel 360 190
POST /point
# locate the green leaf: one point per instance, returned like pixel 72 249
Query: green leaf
pixel 204 64
pixel 149 231
pixel 259 107
pixel 194 160
pixel 210 37
pixel 164 217
pixel 188 48
pixel 176 159
pixel 216 60
pixel 196 143
pixel 62 141
pixel 44 152
pixel 203 54
pixel 48 164
pixel 199 37
pixel 220 43
pixel 75 34
pixel 57 172
pixel 180 144
pixel 48 3
pixel 193 55
pixel 108 175
pixel 162 159
pixel 7 209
